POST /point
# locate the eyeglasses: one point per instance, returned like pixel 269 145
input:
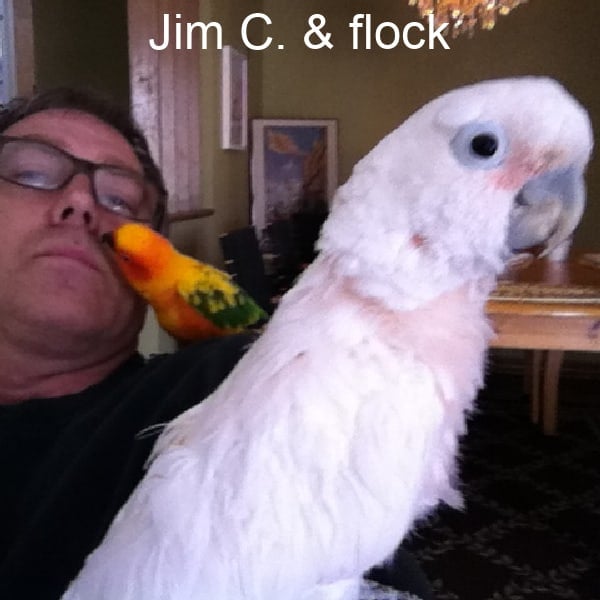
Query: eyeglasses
pixel 41 166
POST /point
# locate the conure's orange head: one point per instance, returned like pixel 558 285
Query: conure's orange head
pixel 141 253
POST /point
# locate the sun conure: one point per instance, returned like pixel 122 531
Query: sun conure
pixel 191 300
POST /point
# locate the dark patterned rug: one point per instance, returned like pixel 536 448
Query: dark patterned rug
pixel 531 525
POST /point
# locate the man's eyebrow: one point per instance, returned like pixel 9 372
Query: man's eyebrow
pixel 109 162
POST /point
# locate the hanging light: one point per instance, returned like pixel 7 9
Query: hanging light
pixel 463 15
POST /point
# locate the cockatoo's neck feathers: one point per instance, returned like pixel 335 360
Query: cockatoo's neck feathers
pixel 396 259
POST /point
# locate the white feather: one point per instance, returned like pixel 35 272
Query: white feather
pixel 339 427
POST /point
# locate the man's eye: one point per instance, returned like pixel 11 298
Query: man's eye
pixel 117 204
pixel 32 178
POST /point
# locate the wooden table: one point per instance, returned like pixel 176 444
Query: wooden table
pixel 548 307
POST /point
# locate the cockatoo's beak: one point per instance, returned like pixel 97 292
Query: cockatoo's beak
pixel 547 210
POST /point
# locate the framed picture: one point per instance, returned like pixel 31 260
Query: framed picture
pixel 234 99
pixel 294 170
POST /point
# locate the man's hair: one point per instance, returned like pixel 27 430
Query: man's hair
pixel 104 109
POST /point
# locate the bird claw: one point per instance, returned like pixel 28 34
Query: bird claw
pixel 520 260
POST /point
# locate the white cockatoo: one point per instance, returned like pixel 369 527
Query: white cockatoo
pixel 339 427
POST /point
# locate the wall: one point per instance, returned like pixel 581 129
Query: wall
pixel 23 47
pixel 82 44
pixel 372 91
pixel 224 172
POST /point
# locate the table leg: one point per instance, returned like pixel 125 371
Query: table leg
pixel 552 366
pixel 534 383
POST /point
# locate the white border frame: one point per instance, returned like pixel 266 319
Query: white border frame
pixel 234 99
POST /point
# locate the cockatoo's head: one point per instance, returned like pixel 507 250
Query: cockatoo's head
pixel 471 177
pixel 140 252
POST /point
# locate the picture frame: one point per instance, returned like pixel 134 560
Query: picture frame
pixel 294 169
pixel 234 99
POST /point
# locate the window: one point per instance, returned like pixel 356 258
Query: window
pixel 165 99
pixel 7 52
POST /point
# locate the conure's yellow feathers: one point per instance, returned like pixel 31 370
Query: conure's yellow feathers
pixel 191 300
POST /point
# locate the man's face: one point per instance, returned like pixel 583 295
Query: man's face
pixel 56 276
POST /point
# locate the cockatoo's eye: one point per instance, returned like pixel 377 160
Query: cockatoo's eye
pixel 480 145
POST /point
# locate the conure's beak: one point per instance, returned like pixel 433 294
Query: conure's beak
pixel 108 239
pixel 547 210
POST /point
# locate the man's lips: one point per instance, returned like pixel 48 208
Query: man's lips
pixel 73 253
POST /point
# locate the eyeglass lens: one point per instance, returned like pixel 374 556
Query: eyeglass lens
pixel 41 166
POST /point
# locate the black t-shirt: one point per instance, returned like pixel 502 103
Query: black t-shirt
pixel 68 464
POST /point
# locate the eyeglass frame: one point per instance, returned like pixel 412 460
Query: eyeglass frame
pixel 89 168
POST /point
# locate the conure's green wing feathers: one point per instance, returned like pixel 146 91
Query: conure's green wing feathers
pixel 216 297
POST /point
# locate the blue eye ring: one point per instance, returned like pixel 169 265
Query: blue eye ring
pixel 480 145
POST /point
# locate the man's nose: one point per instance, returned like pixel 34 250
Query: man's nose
pixel 76 205
pixel 69 212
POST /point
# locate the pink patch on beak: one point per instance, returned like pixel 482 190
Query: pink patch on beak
pixel 522 166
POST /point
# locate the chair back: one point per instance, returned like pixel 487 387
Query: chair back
pixel 244 261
